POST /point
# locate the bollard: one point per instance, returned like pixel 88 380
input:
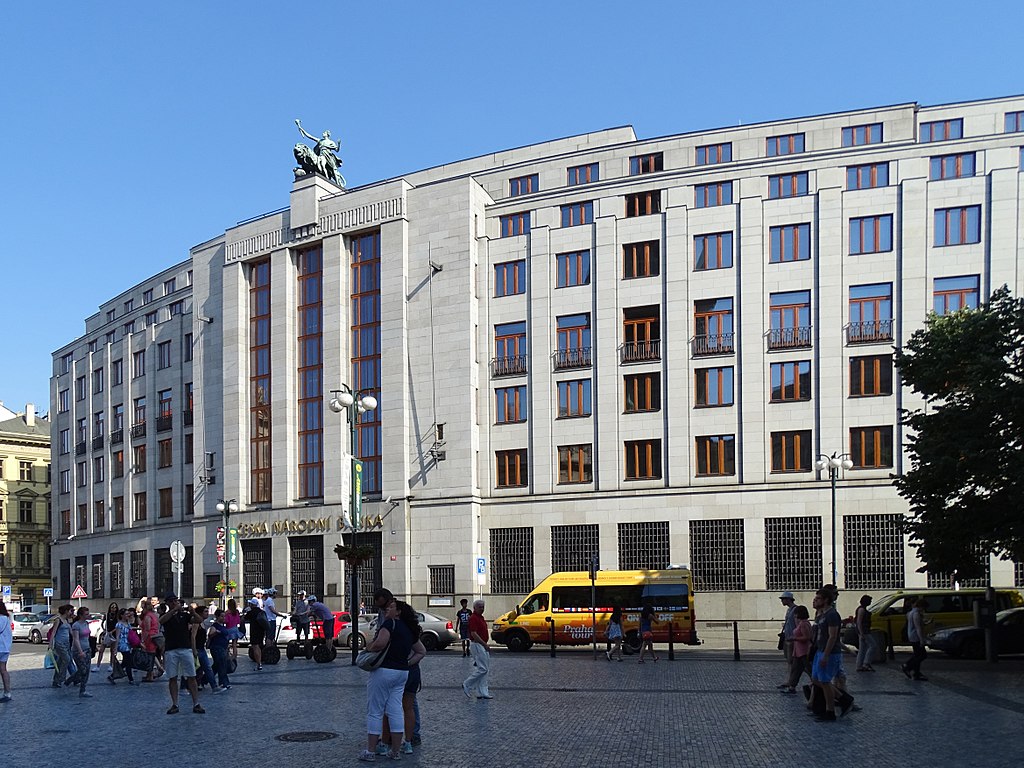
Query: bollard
pixel 671 647
pixel 735 641
pixel 552 622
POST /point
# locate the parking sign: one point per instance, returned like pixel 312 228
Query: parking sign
pixel 7 591
pixel 481 565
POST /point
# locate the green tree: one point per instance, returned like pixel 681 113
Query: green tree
pixel 966 484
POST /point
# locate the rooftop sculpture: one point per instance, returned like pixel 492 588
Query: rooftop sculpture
pixel 321 159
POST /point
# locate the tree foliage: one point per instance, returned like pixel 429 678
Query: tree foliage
pixel 966 484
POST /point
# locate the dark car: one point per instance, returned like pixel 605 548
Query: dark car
pixel 970 641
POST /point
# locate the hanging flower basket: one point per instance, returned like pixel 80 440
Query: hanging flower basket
pixel 230 585
pixel 355 554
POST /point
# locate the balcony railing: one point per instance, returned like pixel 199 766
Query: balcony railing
pixel 640 351
pixel 80 448
pixel 868 332
pixel 717 344
pixel 117 436
pixel 508 366
pixel 789 338
pixel 186 417
pixel 97 442
pixel 164 422
pixel 572 358
pixel 138 430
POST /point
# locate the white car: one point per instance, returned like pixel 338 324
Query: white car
pixel 28 626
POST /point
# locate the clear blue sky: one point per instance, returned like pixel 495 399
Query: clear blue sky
pixel 132 131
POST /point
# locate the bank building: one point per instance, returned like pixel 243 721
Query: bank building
pixel 639 349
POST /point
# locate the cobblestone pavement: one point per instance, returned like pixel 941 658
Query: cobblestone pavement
pixel 702 709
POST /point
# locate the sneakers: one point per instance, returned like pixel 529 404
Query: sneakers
pixel 904 670
pixel 382 748
pixel 367 756
pixel 96 668
pixel 416 740
pixel 7 697
pixel 394 755
pixel 84 695
pixel 466 691
pixel 198 709
pixel 608 655
pixel 485 696
pixel 133 682
pixel 214 689
pixel 173 710
pixel 259 667
pixel 406 748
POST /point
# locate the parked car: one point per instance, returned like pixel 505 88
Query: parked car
pixel 437 633
pixel 286 631
pixel 344 637
pixel 970 641
pixel 28 626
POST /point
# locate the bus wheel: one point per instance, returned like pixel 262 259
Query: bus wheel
pixel 517 642
pixel 631 643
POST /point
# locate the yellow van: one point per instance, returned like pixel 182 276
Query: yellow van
pixel 565 599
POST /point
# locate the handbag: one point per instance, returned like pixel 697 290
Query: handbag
pixel 371 660
pixel 232 664
pixel 141 660
pixel 782 640
pixel 118 671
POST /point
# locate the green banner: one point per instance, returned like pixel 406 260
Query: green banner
pixel 357 492
pixel 232 545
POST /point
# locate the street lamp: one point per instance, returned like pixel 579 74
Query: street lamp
pixel 833 464
pixel 226 507
pixel 353 404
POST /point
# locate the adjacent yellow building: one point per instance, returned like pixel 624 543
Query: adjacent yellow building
pixel 24 505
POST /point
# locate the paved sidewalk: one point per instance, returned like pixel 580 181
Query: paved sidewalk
pixel 703 709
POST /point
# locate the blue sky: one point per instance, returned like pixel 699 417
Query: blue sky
pixel 133 131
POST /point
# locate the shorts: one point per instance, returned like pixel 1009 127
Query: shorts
pixel 257 635
pixel 464 633
pixel 833 668
pixel 4 657
pixel 414 682
pixel 179 662
pixel 158 641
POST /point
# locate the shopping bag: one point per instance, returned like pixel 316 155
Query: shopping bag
pixel 118 672
pixel 49 660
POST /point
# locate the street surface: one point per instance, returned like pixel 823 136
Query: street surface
pixel 702 709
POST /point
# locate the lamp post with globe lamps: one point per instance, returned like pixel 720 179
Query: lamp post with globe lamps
pixel 226 507
pixel 353 405
pixel 833 464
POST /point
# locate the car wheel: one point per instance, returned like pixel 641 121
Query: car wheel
pixel 429 641
pixel 359 640
pixel 517 642
pixel 631 643
pixel 35 637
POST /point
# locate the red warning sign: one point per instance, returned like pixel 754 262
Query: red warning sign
pixel 79 592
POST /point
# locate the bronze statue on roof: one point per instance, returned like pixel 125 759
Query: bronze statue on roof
pixel 321 159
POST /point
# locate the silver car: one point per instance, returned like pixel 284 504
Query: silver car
pixel 437 633
pixel 28 626
pixel 367 625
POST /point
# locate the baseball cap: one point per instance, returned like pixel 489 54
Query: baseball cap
pixel 786 596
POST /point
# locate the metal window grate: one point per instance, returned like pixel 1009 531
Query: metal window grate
pixel 81 570
pixel 793 557
pixel 1018 574
pixel 97 576
pixel 716 555
pixel 643 546
pixel 573 546
pixel 117 574
pixel 163 578
pixel 371 575
pixel 442 579
pixel 942 580
pixel 873 552
pixel 137 573
pixel 306 564
pixel 511 560
pixel 255 564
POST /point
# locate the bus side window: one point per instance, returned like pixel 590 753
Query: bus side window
pixel 538 602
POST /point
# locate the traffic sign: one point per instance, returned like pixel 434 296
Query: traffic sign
pixel 177 551
pixel 7 591
pixel 481 565
pixel 176 567
pixel 79 592
pixel 47 591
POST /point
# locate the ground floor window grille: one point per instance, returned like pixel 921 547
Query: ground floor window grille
pixel 716 555
pixel 873 552
pixel 442 579
pixel 643 546
pixel 370 573
pixel 65 579
pixel 137 576
pixel 81 571
pixel 943 580
pixel 306 564
pixel 163 579
pixel 573 546
pixel 511 561
pixel 792 547
pixel 97 576
pixel 255 565
pixel 117 574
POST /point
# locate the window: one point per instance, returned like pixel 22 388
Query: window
pixel 573 345
pixel 139 458
pixel 98 475
pixel 138 364
pixel 511 561
pixel 643 459
pixel 1014 122
pixel 150 318
pixel 442 579
pixel 870 313
pixel 65 362
pixel 190 499
pixel 867 176
pixel 164 403
pixel 63 401
pixel 163 354
pixel 189 447
pixel 65 442
pixel 509 349
pixel 574 464
pixel 147 296
pixel 716 455
pixel 649 163
pixel 309 365
pixel 139 508
pixel 25 471
pixel 117 463
pixel 176 308
pixel 65 481
pixel 873 551
pixel 641 334
pixel 942 130
pixel 522 185
pixel 857 135
pixel 81 433
pixel 80 476
pixel 129 328
pixel 510 278
pixel 166 502
pixel 717 555
pixel 713 387
pixel 25 511
pixel 99 514
pixel 573 268
pixel 186 348
pixel 791 381
pixel 511 469
pixel 117 504
pixel 513 224
pixel 871 376
pixel 643 203
pixel 573 398
pixel 97 381
pixel 953 293
pixel 510 405
pixel 80 388
pixel 871 234
pixel 582 174
pixel 169 286
pixel 712 251
pixel 710 195
pixel 713 327
pixel 710 154
pixel 790 320
pixel 791 242
pixel 575 214
pixel 641 259
pixel 952 166
pixel 793 552
pixel 110 337
pixel 958 226
pixel 117 372
pixel 93 345
pixel 365 281
pixel 871 447
pixel 642 392
pixel 117 417
pixel 260 471
pixel 129 306
pixel 164 453
pixel 791 451
pixel 790 144
pixel 787 185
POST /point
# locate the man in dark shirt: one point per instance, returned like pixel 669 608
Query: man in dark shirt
pixel 318 610
pixel 179 651
pixel 462 623
pixel 481 653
